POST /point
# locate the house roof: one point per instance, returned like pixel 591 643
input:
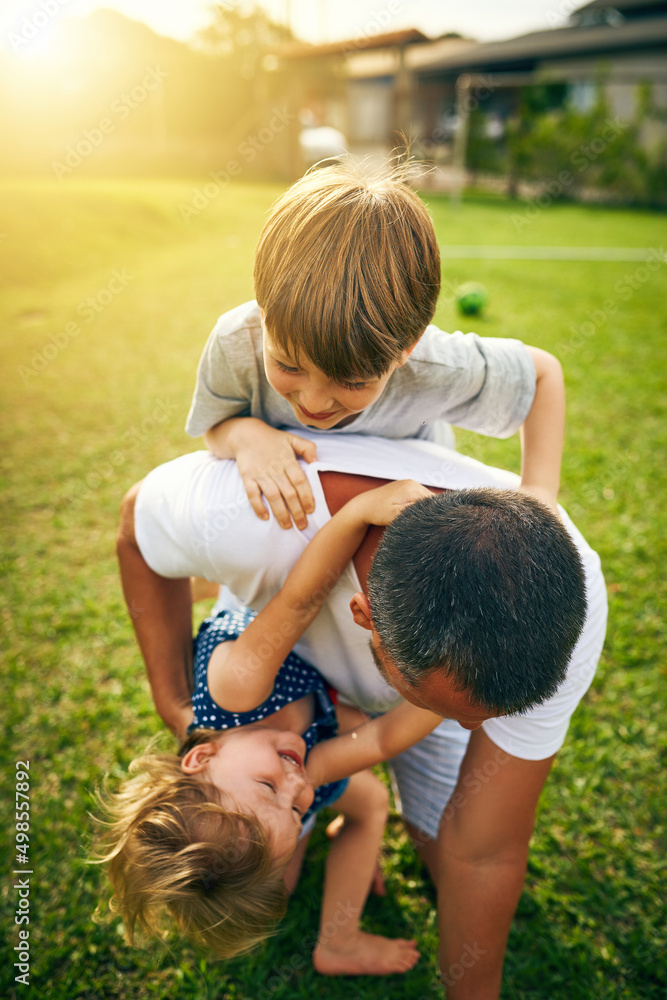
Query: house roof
pixel 526 50
pixel 390 39
pixel 623 5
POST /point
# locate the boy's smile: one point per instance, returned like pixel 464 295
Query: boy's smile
pixel 317 400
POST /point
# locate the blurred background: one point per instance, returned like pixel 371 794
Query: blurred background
pixel 176 89
pixel 142 144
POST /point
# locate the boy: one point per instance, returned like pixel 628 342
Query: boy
pixel 347 276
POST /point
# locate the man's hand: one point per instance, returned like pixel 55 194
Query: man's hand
pixel 267 461
pixel 381 505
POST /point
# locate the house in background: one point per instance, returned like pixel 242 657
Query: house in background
pixel 402 82
pixel 617 46
pixel 367 87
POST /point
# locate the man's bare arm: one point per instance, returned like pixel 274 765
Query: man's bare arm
pixel 482 852
pixel 161 613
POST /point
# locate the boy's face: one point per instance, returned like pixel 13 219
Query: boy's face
pixel 317 401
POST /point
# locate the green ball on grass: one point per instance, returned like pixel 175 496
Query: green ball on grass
pixel 471 298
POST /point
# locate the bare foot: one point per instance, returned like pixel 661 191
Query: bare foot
pixel 365 955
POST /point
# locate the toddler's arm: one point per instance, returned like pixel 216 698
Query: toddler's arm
pixel 543 431
pixel 241 673
pixel 267 463
pixel 371 743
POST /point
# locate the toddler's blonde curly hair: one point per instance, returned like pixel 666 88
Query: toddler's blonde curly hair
pixel 172 847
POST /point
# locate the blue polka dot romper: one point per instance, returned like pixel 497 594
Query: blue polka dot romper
pixel 294 680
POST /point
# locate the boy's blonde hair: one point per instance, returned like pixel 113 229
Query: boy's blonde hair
pixel 347 270
pixel 172 846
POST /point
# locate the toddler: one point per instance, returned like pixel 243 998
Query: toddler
pixel 209 834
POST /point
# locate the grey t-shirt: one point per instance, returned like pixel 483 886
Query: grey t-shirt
pixel 483 384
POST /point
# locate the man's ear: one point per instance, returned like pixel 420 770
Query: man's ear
pixel 361 611
pixel 197 758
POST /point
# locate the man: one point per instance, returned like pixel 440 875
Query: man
pixel 468 791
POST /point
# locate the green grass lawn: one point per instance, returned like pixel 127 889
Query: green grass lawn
pixel 108 298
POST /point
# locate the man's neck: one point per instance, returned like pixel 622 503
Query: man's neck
pixel 338 488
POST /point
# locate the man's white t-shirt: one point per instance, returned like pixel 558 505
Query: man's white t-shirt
pixel 192 518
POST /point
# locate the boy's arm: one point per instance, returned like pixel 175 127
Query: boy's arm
pixel 543 431
pixel 368 744
pixel 268 465
pixel 242 673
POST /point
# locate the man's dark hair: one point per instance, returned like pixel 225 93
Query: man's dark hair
pixel 486 585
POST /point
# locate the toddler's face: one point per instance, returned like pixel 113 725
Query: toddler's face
pixel 262 771
pixel 318 401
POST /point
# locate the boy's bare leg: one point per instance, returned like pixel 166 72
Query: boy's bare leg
pixel 343 948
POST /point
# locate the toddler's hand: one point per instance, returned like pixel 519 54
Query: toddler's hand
pixel 267 462
pixel 382 505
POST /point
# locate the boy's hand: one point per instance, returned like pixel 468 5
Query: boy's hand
pixel 542 431
pixel 267 461
pixel 380 506
pixel 542 494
